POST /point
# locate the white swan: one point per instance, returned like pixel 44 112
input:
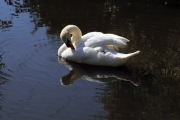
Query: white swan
pixel 94 48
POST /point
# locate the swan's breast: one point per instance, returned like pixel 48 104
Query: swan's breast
pixel 61 50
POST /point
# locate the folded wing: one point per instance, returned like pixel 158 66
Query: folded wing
pixel 106 40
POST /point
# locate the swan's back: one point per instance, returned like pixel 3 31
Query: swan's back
pixel 98 39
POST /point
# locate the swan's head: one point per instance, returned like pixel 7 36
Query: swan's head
pixel 66 38
pixel 70 34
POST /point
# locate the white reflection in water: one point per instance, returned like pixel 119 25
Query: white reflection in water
pixel 97 74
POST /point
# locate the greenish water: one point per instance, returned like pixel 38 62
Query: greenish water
pixel 35 84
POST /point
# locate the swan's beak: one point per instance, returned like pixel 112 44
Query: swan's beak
pixel 69 44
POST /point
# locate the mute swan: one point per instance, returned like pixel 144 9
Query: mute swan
pixel 94 48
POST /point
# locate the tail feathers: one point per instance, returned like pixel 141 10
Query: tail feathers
pixel 133 54
pixel 130 55
pixel 123 58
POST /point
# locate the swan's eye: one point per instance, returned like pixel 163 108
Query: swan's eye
pixel 71 35
pixel 103 51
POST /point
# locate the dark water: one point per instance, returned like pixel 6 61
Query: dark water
pixel 36 85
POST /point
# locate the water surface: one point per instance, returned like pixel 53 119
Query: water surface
pixel 36 84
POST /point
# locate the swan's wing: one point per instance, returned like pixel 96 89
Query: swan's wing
pixel 89 35
pixel 104 40
pixel 118 37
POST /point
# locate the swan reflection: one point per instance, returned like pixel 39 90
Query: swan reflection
pixel 97 74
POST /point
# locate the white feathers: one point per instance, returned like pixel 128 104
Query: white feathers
pixel 94 48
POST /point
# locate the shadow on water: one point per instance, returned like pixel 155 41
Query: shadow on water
pixel 153 27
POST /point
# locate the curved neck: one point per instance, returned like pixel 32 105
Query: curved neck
pixel 75 32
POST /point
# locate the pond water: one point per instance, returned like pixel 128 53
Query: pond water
pixel 36 85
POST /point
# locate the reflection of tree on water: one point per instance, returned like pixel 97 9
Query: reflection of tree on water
pixel 19 6
pixel 5 24
pixel 10 9
pixel 6 21
pixel 63 12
